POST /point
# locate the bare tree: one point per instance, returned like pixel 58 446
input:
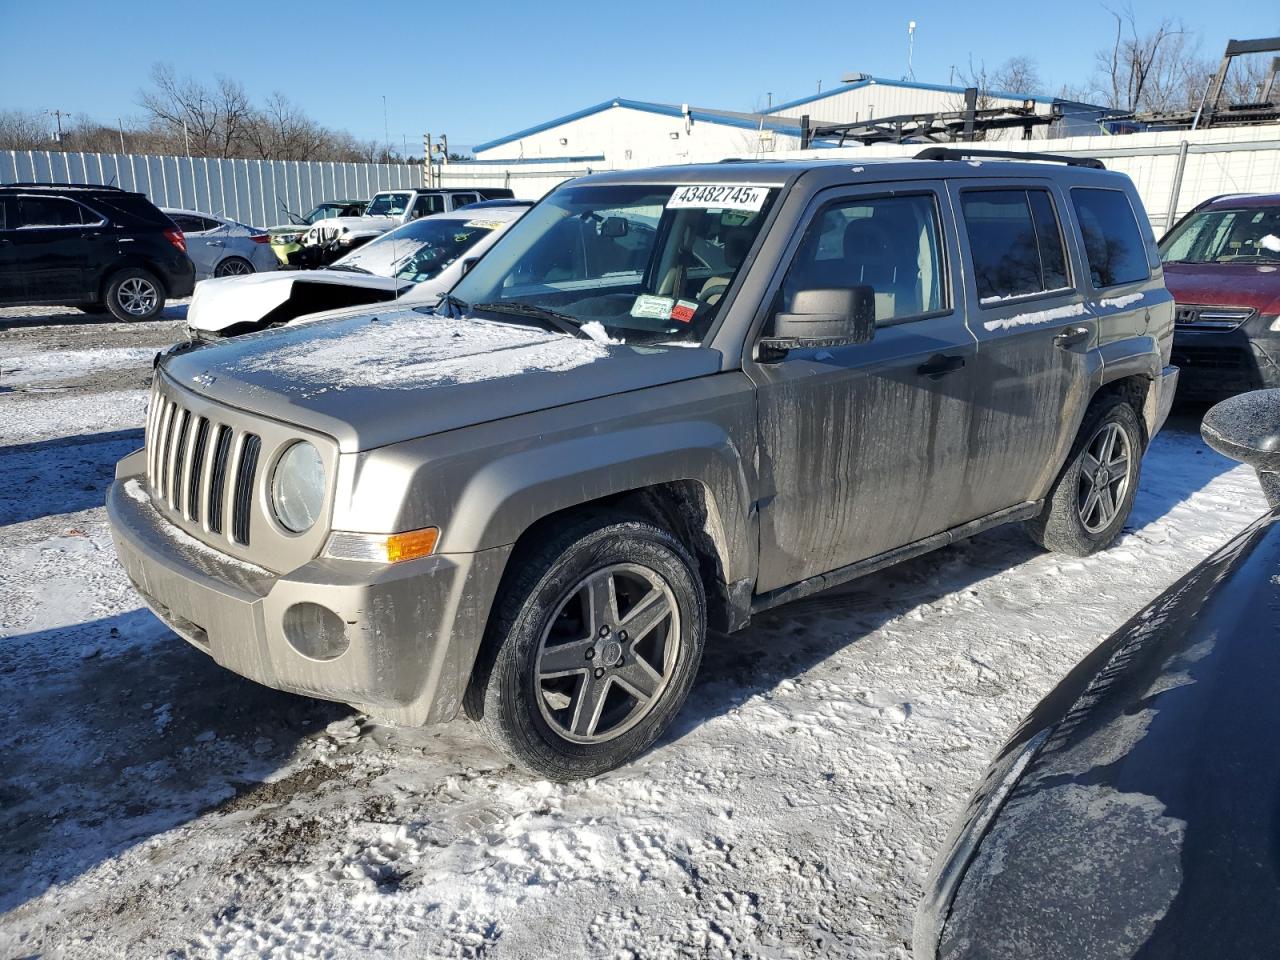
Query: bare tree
pixel 205 121
pixel 1017 77
pixel 25 130
pixel 1144 69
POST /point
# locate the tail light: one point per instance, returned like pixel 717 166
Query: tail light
pixel 174 236
pixel 261 238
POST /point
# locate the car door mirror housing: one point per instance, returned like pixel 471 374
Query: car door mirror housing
pixel 1246 427
pixel 823 317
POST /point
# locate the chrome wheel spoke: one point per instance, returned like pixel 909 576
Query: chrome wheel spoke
pixel 1089 466
pixel 565 658
pixel 640 680
pixel 645 615
pixel 602 599
pixel 588 705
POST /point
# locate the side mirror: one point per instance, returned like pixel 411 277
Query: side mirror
pixel 1247 428
pixel 823 317
pixel 468 263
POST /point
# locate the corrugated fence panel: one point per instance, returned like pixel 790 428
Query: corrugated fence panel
pixel 256 192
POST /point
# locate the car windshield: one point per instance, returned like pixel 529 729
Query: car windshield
pixel 648 262
pixel 1223 236
pixel 388 205
pixel 323 212
pixel 419 250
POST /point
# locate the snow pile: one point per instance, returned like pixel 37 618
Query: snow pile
pixel 43 366
pixel 1037 316
pixel 1270 242
pixel 408 349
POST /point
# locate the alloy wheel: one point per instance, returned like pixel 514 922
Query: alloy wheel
pixel 235 267
pixel 608 653
pixel 137 297
pixel 1104 477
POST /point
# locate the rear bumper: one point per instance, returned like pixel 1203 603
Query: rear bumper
pixel 411 630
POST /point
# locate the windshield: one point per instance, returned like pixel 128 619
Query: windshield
pixel 419 250
pixel 388 205
pixel 649 262
pixel 323 212
pixel 1222 236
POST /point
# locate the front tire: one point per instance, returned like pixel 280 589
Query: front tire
pixel 591 650
pixel 1090 501
pixel 134 294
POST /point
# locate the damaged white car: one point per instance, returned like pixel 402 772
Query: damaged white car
pixel 418 262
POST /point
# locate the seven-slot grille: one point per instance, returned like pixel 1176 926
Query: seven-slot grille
pixel 1210 318
pixel 201 469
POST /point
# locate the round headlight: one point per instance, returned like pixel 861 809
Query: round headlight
pixel 297 487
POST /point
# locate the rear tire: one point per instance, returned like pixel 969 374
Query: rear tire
pixel 1090 502
pixel 561 687
pixel 233 267
pixel 134 294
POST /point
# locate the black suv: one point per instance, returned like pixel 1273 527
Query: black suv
pixel 94 247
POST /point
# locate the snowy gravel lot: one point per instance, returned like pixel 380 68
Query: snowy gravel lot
pixel 155 805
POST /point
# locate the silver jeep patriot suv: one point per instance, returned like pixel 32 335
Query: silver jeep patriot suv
pixel 665 400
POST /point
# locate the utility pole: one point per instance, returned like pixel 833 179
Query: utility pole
pixel 120 128
pixel 57 116
pixel 186 135
pixel 428 178
pixel 386 128
pixel 444 148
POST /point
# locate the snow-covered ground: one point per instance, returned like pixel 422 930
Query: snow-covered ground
pixel 153 804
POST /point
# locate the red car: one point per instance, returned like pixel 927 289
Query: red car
pixel 1222 265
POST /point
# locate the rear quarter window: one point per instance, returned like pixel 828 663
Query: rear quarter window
pixel 1113 242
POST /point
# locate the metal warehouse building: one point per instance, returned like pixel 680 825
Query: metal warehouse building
pixel 622 133
pixel 626 133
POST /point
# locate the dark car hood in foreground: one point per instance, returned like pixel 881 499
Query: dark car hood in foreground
pixel 1147 823
pixel 1255 285
pixel 380 378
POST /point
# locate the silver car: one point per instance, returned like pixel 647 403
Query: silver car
pixel 223 248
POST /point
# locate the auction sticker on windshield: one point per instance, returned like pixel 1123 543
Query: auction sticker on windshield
pixel 720 196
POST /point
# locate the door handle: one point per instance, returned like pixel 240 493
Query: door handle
pixel 939 365
pixel 215 243
pixel 1070 337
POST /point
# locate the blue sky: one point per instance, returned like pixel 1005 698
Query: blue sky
pixel 478 71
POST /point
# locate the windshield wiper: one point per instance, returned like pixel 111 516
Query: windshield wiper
pixel 518 308
pixel 351 267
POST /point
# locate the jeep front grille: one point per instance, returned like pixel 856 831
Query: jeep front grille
pixel 200 480
pixel 1209 318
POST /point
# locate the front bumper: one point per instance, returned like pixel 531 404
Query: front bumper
pixel 413 629
pixel 1217 364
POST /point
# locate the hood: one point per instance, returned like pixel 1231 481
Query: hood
pixel 1255 285
pixel 225 302
pixel 377 378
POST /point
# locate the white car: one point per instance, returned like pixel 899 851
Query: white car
pixel 417 262
pixel 220 247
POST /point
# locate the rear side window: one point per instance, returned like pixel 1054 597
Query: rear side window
pixel 1112 241
pixel 130 209
pixel 49 212
pixel 1016 243
pixel 891 244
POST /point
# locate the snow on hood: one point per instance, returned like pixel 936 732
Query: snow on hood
pixel 225 301
pixel 409 349
pixel 377 375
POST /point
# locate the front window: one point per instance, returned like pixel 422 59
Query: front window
pixel 388 205
pixel 1249 234
pixel 420 250
pixel 648 262
pixel 323 212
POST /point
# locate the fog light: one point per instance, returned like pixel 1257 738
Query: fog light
pixel 316 632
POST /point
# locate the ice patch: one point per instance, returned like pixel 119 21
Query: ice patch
pixel 410 349
pixel 1035 317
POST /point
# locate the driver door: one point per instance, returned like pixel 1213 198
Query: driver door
pixel 862 447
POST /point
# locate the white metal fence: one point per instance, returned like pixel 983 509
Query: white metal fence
pixel 251 191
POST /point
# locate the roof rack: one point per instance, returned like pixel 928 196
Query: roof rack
pixel 27 184
pixel 965 153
